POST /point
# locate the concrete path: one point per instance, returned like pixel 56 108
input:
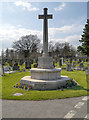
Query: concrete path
pixel 59 108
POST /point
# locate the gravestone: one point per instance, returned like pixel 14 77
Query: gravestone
pixel 88 65
pixel 17 94
pixel 80 60
pixel 7 68
pixel 70 60
pixel 60 62
pixel 10 63
pixel 53 63
pixel 81 66
pixel 69 67
pixel 35 65
pixel 21 62
pixel 73 65
pixel 15 67
pixel 31 60
pixel 27 65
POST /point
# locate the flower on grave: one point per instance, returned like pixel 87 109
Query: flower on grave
pixel 29 87
pixel 18 83
pixel 25 87
pixel 16 86
pixel 19 86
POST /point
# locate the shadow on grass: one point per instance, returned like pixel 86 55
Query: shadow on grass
pixel 79 88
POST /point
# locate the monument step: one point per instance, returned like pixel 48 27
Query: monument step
pixel 45 84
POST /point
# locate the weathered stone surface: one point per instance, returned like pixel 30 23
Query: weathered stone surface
pixel 69 67
pixel 45 74
pixel 45 62
pixel 45 84
pixel 45 17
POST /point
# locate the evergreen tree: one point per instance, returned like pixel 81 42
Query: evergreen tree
pixel 84 48
pixel 7 53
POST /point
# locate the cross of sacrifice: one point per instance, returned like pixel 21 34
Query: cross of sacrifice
pixel 45 31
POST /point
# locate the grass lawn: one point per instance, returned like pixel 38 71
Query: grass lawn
pixel 10 79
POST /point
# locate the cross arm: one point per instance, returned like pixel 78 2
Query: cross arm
pixel 40 16
pixel 50 16
pixel 47 16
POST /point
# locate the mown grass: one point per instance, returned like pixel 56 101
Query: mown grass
pixel 10 79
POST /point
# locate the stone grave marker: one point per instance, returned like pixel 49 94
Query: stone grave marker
pixel 88 65
pixel 73 65
pixel 21 62
pixel 28 65
pixel 10 63
pixel 70 60
pixel 7 68
pixel 69 67
pixel 81 66
pixel 17 94
pixel 15 67
pixel 60 62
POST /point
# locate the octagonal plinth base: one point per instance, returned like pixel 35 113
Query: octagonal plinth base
pixel 45 74
pixel 45 84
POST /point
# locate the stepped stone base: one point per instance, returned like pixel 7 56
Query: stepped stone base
pixel 45 74
pixel 45 79
pixel 45 84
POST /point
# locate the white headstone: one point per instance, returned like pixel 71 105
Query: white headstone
pixel 87 72
pixel 7 68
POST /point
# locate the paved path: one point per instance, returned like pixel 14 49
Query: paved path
pixel 60 108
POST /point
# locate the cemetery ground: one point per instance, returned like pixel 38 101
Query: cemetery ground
pixel 9 80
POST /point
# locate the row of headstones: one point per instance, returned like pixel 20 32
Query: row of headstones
pixel 8 68
pixel 70 67
pixel 16 66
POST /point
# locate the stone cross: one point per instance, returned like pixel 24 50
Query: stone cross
pixel 45 31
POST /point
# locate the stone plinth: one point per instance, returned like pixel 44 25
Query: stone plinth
pixel 45 62
pixel 45 84
pixel 45 74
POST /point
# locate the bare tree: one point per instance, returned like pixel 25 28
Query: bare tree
pixel 68 50
pixel 27 45
pixel 51 49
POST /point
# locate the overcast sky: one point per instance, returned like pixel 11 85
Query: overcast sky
pixel 21 18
